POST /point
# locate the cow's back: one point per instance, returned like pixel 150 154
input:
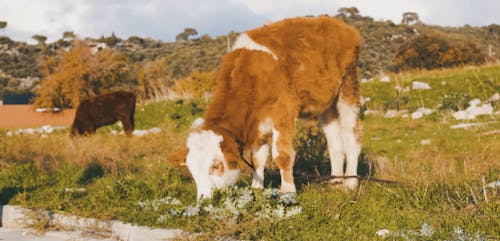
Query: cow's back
pixel 313 54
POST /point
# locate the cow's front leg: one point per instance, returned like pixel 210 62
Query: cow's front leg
pixel 284 156
pixel 260 156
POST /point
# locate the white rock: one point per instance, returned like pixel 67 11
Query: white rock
pixel 391 114
pixel 417 115
pixel 373 112
pixel 468 125
pixel 140 132
pixel 494 98
pixel 473 111
pixel 396 113
pixel 155 130
pixel 402 89
pixel 494 184
pixel 9 133
pixel 383 233
pixel 197 123
pixel 385 79
pixel 421 112
pixel 417 85
pixel 47 129
pixel 474 102
pixel 425 142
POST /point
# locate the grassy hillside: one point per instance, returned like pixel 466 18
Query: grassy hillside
pixel 440 189
pixel 381 39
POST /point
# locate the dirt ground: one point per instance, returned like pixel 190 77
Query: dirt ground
pixel 24 116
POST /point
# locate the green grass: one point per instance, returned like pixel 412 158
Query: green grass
pixel 439 185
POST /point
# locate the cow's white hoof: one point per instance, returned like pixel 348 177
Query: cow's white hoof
pixel 351 183
pixel 336 182
pixel 257 185
pixel 288 188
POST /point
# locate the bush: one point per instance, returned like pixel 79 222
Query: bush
pixel 430 51
pixel 197 84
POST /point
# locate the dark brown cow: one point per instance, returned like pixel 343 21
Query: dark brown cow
pixel 105 110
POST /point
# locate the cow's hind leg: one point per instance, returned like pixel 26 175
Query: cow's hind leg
pixel 350 133
pixel 331 128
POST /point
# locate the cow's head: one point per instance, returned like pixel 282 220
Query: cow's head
pixel 212 158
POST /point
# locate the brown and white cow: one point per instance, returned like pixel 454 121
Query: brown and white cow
pixel 296 68
pixel 104 110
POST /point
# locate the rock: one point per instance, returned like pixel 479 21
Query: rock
pixel 473 111
pixel 155 130
pixel 402 89
pixel 385 79
pixel 373 112
pixel 140 132
pixel 425 142
pixel 494 98
pixel 395 113
pixel 417 85
pixel 421 112
pixel 468 125
pixel 383 233
pixel 417 115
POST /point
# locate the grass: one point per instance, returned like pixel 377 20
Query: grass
pixel 440 187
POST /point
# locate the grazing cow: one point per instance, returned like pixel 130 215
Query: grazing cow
pixel 104 110
pixel 296 68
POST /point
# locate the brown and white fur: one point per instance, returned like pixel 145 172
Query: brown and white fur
pixel 296 68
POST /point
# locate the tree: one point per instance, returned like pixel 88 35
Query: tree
pixel 40 39
pixel 69 35
pixel 80 74
pixel 3 24
pixel 110 41
pixel 350 12
pixel 184 36
pixel 410 18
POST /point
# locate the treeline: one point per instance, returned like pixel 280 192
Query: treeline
pixel 71 69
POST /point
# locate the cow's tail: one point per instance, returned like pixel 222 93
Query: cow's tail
pixel 349 89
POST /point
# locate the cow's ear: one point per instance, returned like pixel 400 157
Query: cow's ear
pixel 178 158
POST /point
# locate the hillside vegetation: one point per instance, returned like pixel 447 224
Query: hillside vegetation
pixel 387 47
pixel 442 178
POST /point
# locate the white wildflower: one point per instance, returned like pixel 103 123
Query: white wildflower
pixel 280 211
pixel 191 211
pixel 245 198
pixel 162 218
pixel 288 199
pixel 271 193
pixel 293 211
pixel 426 230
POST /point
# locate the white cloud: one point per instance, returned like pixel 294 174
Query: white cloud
pixel 164 19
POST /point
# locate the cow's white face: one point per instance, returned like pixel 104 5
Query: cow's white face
pixel 207 164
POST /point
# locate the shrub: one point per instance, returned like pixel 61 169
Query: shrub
pixel 431 51
pixel 196 84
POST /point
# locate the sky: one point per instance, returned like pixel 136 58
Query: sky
pixel 164 19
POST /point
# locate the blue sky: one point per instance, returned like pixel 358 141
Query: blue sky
pixel 164 19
